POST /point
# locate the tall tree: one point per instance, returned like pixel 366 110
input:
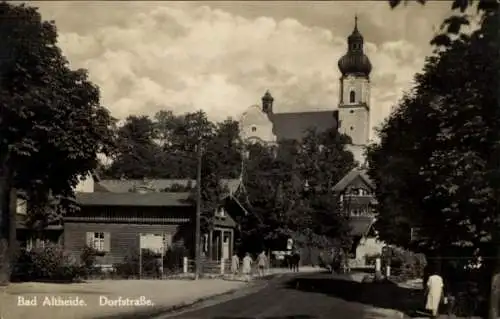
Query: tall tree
pixel 137 149
pixel 181 136
pixel 217 150
pixel 446 176
pixel 324 160
pixel 52 123
pixel 290 186
pixel 226 142
pixel 166 122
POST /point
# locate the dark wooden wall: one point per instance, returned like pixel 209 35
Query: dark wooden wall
pixel 124 233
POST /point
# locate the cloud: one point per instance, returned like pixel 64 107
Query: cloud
pixel 221 57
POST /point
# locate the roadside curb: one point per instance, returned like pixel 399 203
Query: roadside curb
pixel 167 310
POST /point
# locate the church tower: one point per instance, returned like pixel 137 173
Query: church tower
pixel 354 102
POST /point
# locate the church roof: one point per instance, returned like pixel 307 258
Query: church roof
pixel 295 125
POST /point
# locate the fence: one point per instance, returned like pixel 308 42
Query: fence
pixel 153 269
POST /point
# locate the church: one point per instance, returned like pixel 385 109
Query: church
pixel 352 117
pixel 259 124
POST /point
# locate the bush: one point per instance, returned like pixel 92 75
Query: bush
pixel 130 267
pixel 326 260
pixel 405 264
pixel 49 263
pixel 88 260
pixel 173 259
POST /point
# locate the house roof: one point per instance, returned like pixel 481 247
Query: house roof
pixel 125 186
pixel 360 225
pixel 295 125
pixel 133 199
pixel 226 221
pixel 350 177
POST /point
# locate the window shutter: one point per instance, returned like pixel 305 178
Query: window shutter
pixel 107 242
pixel 90 239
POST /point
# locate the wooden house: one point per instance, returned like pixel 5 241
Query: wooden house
pixel 115 214
pixel 356 194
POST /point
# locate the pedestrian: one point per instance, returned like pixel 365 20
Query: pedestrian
pixel 235 264
pixel 289 261
pixel 247 265
pixel 435 288
pixel 262 263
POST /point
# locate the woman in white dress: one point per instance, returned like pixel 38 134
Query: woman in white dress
pixel 247 265
pixel 235 264
pixel 435 287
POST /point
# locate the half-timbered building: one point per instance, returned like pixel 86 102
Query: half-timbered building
pixel 356 194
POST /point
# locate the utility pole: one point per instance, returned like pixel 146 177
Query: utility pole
pixel 198 215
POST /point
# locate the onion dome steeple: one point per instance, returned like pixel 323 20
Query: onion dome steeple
pixel 267 103
pixel 355 62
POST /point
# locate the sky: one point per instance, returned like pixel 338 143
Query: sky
pixel 221 56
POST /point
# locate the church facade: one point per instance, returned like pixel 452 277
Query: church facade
pixel 259 124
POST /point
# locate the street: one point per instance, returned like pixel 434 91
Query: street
pixel 292 297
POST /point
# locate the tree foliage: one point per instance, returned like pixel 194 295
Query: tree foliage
pixel 137 151
pixel 165 146
pixel 289 186
pixel 52 125
pixel 442 179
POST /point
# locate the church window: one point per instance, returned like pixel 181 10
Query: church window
pixel 254 129
pixel 352 97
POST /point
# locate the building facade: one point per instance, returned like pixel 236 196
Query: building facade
pixel 115 214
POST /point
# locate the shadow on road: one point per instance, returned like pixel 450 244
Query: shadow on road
pixel 381 295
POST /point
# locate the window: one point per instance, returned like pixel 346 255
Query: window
pixel 254 129
pixel 352 97
pixel 351 111
pixel 98 240
pixel 352 128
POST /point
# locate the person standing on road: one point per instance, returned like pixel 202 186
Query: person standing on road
pixel 435 287
pixel 235 264
pixel 247 265
pixel 262 263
